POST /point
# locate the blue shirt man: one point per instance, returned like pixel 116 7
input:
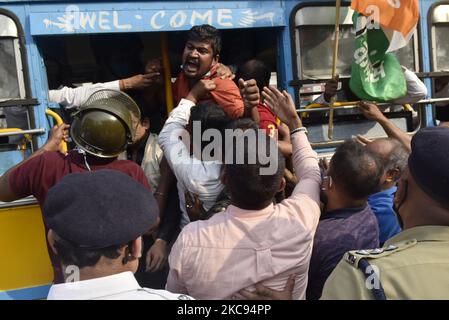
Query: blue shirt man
pixel 394 156
pixel 381 204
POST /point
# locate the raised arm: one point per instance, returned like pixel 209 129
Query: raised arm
pixel 58 134
pixel 75 97
pixel 305 160
pixel 176 151
pixel 251 97
pixel 416 89
pixel 372 112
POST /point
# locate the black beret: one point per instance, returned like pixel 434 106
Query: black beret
pixel 99 209
pixel 429 162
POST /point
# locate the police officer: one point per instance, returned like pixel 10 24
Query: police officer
pixel 96 220
pixel 102 128
pixel 105 124
pixel 414 264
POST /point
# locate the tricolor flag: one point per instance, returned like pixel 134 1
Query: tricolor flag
pixel 381 27
pixel 397 18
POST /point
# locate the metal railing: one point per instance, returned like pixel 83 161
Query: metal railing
pixel 18 203
pixel 17 131
pixel 353 105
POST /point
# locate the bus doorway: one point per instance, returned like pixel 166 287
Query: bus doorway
pixel 78 60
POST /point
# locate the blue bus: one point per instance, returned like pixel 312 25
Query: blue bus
pixel 46 44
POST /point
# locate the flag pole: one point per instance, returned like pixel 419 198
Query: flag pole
pixel 330 131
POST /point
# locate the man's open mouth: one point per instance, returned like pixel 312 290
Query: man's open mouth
pixel 191 66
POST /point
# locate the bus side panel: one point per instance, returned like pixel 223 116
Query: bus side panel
pixel 25 261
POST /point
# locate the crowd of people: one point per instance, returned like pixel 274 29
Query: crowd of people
pixel 227 199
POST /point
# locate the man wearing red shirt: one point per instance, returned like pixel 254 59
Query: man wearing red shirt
pixel 47 166
pixel 200 62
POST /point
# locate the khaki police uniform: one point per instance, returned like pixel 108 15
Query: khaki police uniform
pixel 412 265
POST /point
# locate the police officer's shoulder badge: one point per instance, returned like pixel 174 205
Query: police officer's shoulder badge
pixel 354 257
pixel 360 259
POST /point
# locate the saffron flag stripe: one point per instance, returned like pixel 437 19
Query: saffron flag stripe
pixel 399 15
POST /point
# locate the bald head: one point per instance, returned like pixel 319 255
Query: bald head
pixel 381 147
pixel 394 156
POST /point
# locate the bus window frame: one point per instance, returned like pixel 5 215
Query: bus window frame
pixel 430 29
pixel 28 102
pixel 297 83
pixel 23 56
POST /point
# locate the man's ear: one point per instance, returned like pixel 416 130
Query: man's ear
pixel 215 60
pixel 282 184
pixel 137 248
pixel 51 241
pixel 401 192
pixel 392 175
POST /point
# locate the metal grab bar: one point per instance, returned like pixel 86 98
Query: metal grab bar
pixel 16 131
pixel 59 122
pixel 17 203
pixel 167 73
pixel 353 105
pixel 336 143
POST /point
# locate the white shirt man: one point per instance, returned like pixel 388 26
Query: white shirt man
pixel 198 177
pixel 122 286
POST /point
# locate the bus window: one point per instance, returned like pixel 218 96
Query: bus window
pixel 439 32
pixel 314 34
pixel 314 37
pixel 11 78
pixel 13 114
pixel 74 60
pixel 440 64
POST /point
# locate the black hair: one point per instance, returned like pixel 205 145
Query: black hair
pixel 257 70
pixel 211 116
pixel 206 33
pixel 248 186
pixel 356 170
pixel 242 123
pixel 71 254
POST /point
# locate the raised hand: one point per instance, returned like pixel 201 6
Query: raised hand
pixel 249 92
pixel 201 90
pixel 363 140
pixel 224 72
pixel 282 105
pixel 58 134
pixel 140 81
pixel 371 111
pixel 331 88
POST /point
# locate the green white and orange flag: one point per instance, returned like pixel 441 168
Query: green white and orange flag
pixel 397 18
pixel 381 26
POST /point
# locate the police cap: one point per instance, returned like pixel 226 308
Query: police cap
pixel 99 209
pixel 429 162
